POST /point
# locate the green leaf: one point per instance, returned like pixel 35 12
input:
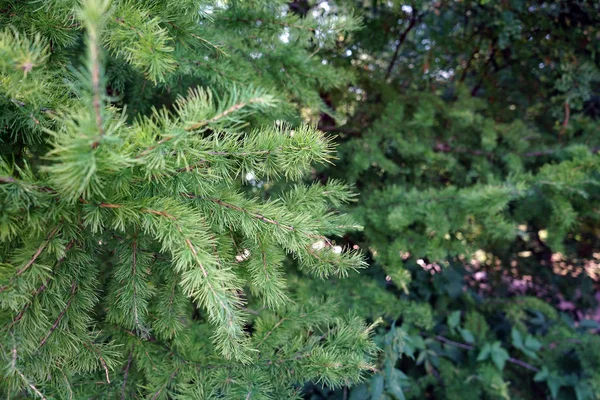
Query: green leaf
pixel 542 375
pixel 499 355
pixel 454 320
pixel 467 336
pixel 554 384
pixel 421 357
pixel 499 358
pixel 393 384
pixel 418 342
pixel 484 353
pixel 583 391
pixel 359 392
pixel 377 387
pixel 517 338
pixel 532 343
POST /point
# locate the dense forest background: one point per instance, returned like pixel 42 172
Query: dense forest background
pixel 309 199
pixel 471 132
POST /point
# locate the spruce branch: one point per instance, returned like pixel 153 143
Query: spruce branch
pixel 157 394
pixel 220 301
pixel 133 188
pixel 14 367
pixel 218 49
pixel 95 72
pixel 68 384
pixel 90 346
pixel 61 315
pixel 277 325
pixel 252 214
pixel 136 317
pixel 31 261
pixel 234 108
pixel 40 289
pixel 31 385
pixel 126 374
pixel 38 252
pixel 200 102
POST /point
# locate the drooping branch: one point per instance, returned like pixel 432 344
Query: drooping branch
pixel 100 358
pixel 61 315
pixel 40 289
pixel 126 375
pixel 157 394
pixel 135 299
pixel 31 385
pixel 33 258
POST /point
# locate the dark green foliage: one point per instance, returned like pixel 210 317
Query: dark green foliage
pixel 471 133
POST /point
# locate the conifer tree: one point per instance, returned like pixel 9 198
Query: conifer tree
pixel 142 252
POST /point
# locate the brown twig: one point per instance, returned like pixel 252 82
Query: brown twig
pixel 33 258
pixel 230 110
pixel 403 34
pixel 38 252
pixel 126 375
pixel 35 390
pixel 41 288
pixel 281 321
pixel 198 125
pixel 61 315
pixel 166 384
pixel 102 362
pixel 254 215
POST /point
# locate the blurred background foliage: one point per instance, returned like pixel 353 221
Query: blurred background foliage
pixel 470 130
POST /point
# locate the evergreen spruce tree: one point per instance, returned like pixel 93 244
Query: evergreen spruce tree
pixel 144 241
